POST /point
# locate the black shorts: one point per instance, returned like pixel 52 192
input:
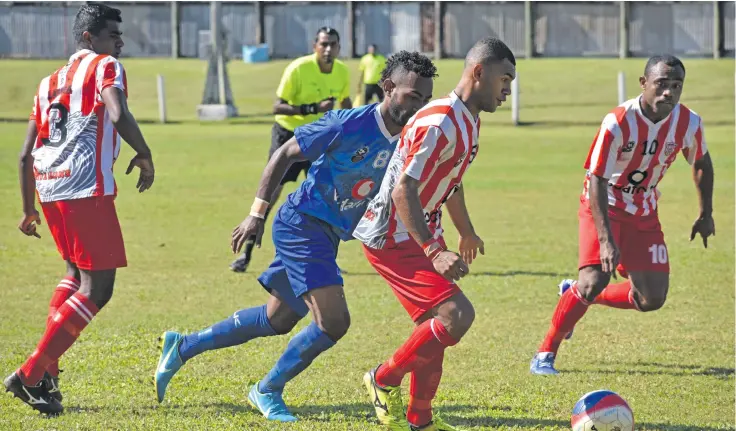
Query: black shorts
pixel 370 90
pixel 279 136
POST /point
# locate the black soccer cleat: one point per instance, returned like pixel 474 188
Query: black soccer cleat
pixel 241 263
pixel 37 396
pixel 52 385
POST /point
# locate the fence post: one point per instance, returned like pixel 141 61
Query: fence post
pixel 174 29
pixel 515 100
pixel 621 88
pixel 161 98
pixel 717 29
pixel 437 30
pixel 352 51
pixel 623 18
pixel 528 29
pixel 260 27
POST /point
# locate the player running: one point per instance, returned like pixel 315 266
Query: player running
pixel 349 151
pixel 73 139
pixel 636 144
pixel 402 234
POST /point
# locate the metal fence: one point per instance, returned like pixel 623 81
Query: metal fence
pixel 44 30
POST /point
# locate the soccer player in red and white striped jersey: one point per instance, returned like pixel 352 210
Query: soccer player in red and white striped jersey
pixel 619 226
pixel 74 134
pixel 402 233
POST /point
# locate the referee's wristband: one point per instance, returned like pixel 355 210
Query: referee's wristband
pixel 307 109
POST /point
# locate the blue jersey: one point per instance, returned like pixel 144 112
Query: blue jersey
pixel 349 150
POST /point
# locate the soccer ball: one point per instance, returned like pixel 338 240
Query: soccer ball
pixel 602 411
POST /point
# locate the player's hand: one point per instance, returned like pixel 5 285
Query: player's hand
pixel 145 164
pixel 705 226
pixel 251 226
pixel 28 224
pixel 326 105
pixel 609 257
pixel 450 265
pixel 469 247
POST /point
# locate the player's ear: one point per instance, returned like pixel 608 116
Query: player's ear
pixel 643 82
pixel 478 72
pixel 388 86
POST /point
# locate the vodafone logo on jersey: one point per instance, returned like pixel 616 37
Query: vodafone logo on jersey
pixel 362 188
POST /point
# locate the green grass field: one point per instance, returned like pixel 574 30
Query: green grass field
pixel 675 366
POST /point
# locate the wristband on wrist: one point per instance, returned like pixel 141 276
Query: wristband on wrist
pixel 307 109
pixel 259 208
pixel 432 248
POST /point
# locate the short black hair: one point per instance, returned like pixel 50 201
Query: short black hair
pixel 669 60
pixel 409 62
pixel 373 45
pixel 93 17
pixel 489 49
pixel 329 31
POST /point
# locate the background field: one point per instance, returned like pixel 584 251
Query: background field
pixel 674 366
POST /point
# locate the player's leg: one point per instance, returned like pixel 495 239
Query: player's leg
pixel 308 251
pixel 367 94
pixel 379 92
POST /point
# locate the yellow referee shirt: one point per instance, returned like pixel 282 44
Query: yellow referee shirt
pixel 304 83
pixel 371 67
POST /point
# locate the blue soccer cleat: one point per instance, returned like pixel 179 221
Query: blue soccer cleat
pixel 169 362
pixel 543 364
pixel 564 286
pixel 271 405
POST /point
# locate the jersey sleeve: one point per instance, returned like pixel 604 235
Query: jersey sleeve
pixel 361 65
pixel 694 148
pixel 605 148
pixel 316 138
pixel 35 114
pixel 426 145
pixel 289 85
pixel 110 73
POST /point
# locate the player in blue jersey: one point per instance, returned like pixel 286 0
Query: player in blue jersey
pixel 349 150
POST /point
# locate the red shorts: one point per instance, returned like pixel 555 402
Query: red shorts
pixel 412 276
pixel 639 239
pixel 87 232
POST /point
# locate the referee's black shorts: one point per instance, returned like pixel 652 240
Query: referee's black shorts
pixel 279 136
pixel 370 90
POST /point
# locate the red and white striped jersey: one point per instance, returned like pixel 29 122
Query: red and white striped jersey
pixel 633 153
pixel 77 144
pixel 436 148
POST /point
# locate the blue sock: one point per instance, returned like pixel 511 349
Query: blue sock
pixel 301 351
pixel 242 326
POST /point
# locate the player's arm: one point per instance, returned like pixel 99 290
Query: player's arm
pixel 699 157
pixel 600 164
pixel 309 143
pixel 122 119
pixel 470 243
pixel 423 156
pixel 28 183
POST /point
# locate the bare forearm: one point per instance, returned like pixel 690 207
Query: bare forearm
pixel 410 211
pixel 128 129
pixel 25 170
pixel 459 213
pixel 599 207
pixel 703 177
pixel 276 168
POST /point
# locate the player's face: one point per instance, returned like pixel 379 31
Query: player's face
pixel 662 88
pixel 406 93
pixel 493 83
pixel 109 41
pixel 327 48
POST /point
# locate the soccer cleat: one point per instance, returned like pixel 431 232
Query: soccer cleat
pixel 437 424
pixel 52 385
pixel 241 263
pixel 564 286
pixel 387 402
pixel 36 396
pixel 271 405
pixel 169 362
pixel 543 364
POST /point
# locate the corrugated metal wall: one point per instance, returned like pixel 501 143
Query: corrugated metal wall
pixel 677 28
pixel 574 29
pixel 561 29
pixel 466 23
pixel 391 26
pixel 291 28
pixel 729 27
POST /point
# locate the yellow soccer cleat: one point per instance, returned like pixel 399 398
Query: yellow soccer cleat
pixel 387 402
pixel 437 424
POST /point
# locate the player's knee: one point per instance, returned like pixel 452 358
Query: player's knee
pixel 651 303
pixel 457 316
pixel 591 283
pixel 283 325
pixel 335 326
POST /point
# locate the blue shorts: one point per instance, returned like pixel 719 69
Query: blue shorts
pixel 306 253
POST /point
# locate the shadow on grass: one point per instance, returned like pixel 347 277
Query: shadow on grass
pixel 511 273
pixel 665 370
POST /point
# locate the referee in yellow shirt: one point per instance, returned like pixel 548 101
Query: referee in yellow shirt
pixel 371 66
pixel 310 86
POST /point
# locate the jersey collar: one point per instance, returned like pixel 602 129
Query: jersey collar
pixel 456 98
pixel 640 113
pixel 80 53
pixel 382 125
